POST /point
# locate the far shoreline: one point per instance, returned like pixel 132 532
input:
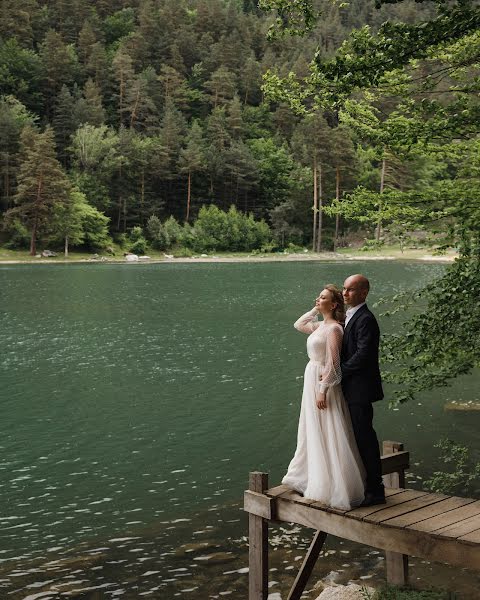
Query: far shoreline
pixel 348 256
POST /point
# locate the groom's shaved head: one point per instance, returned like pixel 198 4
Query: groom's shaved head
pixel 355 289
pixel 361 281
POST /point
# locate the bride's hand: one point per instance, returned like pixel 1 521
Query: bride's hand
pixel 322 401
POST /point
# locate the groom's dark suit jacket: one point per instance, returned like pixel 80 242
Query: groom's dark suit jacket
pixel 361 381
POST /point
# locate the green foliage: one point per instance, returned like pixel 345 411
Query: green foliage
pixel 294 17
pixel 173 230
pixel 136 242
pixel 215 229
pixel 20 72
pixel 371 245
pixel 42 184
pixel 389 592
pixel 463 475
pixel 118 25
pixel 440 341
pixel 156 233
pixel 95 228
pixel 19 236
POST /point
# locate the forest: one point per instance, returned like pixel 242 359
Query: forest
pixel 121 119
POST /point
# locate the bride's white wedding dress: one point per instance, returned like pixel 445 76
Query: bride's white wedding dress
pixel 327 466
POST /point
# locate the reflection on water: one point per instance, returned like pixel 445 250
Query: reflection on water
pixel 136 399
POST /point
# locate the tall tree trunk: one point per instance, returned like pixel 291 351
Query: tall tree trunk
pixel 314 240
pixel 337 197
pixel 33 239
pixel 120 100
pixel 382 184
pixel 7 181
pixel 142 197
pixel 120 199
pixel 66 246
pixel 320 208
pixel 189 189
pixel 124 214
pixel 133 116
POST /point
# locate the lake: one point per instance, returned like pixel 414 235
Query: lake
pixel 137 398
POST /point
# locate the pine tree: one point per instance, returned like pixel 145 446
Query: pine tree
pixel 64 122
pixel 122 65
pixel 221 85
pixel 59 64
pixel 97 66
pixel 140 110
pixel 42 184
pixel 235 117
pixel 192 158
pixel 13 117
pixel 172 129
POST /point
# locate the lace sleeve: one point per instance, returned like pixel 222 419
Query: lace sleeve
pixel 332 374
pixel 307 322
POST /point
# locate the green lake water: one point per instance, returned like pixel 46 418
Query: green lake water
pixel 136 399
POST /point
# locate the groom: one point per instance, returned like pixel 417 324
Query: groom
pixel 361 382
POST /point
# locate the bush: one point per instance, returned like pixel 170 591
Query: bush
pixel 173 230
pixel 137 243
pixel 139 247
pixel 372 245
pixel 210 230
pixel 157 234
pixel 19 235
pixel 218 230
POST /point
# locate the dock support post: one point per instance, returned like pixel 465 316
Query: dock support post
pixel 258 544
pixel 307 566
pixel 397 564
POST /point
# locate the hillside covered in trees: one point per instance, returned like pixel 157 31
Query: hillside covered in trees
pixel 119 115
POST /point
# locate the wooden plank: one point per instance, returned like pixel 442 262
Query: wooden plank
pixel 403 541
pixel 404 496
pixel 473 537
pixel 392 491
pixel 307 566
pixel 391 463
pixel 390 512
pixel 294 496
pixel 277 491
pixel 321 506
pixel 257 544
pixel 259 505
pixel 429 511
pixel 461 528
pixel 448 518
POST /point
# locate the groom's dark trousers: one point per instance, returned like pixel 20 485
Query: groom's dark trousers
pixel 362 385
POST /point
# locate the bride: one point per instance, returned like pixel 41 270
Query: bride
pixel 326 466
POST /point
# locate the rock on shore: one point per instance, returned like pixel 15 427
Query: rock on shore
pixel 346 592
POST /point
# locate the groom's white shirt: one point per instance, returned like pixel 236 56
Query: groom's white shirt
pixel 351 311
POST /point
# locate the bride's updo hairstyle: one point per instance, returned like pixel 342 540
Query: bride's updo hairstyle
pixel 337 297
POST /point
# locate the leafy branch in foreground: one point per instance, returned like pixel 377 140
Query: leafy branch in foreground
pixel 463 474
pixel 366 58
pixel 442 341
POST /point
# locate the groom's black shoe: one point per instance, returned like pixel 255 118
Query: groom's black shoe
pixel 372 499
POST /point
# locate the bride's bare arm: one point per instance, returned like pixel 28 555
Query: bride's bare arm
pixel 307 322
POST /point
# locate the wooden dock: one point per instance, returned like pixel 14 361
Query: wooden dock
pixel 435 527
